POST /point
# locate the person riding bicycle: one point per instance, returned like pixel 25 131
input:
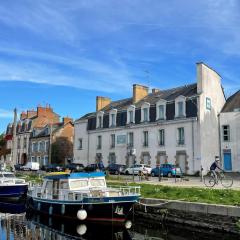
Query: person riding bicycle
pixel 215 165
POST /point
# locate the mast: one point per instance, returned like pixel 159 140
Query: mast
pixel 14 138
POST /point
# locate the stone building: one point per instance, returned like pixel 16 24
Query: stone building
pixel 58 135
pixel 32 119
pixel 230 133
pixel 178 125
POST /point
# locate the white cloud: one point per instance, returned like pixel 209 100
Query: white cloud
pixel 6 113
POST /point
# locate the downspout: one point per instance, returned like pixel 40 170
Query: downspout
pixel 88 148
pixel 193 152
pixel 219 138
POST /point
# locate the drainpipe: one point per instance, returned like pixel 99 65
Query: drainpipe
pixel 193 153
pixel 219 138
pixel 88 148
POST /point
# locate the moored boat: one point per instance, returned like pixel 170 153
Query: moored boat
pixel 83 196
pixel 12 189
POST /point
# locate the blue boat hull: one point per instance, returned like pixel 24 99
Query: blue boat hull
pixel 13 192
pixel 98 209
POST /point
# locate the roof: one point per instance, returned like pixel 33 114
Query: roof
pixel 63 175
pixel 168 95
pixel 233 103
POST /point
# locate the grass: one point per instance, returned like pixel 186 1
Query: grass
pixel 200 195
pixel 31 177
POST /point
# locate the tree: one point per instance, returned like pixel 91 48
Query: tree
pixel 62 149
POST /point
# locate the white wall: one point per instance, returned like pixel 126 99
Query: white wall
pixel 209 86
pixel 233 120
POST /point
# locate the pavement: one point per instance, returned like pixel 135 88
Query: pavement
pixel 187 181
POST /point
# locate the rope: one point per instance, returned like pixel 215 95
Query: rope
pixel 153 205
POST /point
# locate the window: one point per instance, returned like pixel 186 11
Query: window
pixel 24 142
pixel 180 140
pixel 46 146
pixel 161 112
pixel 41 146
pixel 99 142
pixel 80 143
pixel 130 139
pixel 97 182
pixel 113 119
pixel 100 121
pixel 131 116
pixel 180 109
pixel 145 114
pixel 161 137
pixel 76 184
pixel 112 158
pixel 112 141
pixel 145 138
pixel 226 133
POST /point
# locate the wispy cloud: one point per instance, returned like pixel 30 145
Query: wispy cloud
pixel 6 113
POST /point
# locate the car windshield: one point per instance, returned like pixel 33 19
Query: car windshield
pixel 147 166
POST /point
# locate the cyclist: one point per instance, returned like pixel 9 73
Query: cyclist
pixel 215 165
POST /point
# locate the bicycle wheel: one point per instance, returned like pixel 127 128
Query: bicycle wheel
pixel 209 181
pixel 226 181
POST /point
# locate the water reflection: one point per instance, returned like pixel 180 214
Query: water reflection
pixel 38 227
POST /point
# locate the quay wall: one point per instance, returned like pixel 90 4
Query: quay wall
pixel 207 216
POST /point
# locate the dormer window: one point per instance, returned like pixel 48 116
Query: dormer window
pixel 100 119
pixel 180 107
pixel 145 112
pixel 113 117
pixel 161 109
pixel 131 114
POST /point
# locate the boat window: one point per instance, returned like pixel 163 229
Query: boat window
pixel 64 185
pixel 97 182
pixel 75 184
pixel 8 175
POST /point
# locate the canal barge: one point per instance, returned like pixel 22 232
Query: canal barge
pixel 83 196
pixel 12 189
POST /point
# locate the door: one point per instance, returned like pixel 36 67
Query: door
pixel 182 162
pixel 227 161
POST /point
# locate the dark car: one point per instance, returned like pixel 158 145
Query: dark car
pixel 94 167
pixel 18 167
pixel 75 167
pixel 53 168
pixel 116 168
pixel 168 170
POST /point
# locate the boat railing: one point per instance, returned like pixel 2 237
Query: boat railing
pixel 12 181
pixel 79 195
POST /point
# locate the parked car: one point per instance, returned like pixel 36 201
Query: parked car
pixel 54 167
pixel 116 168
pixel 18 167
pixel 75 167
pixel 93 167
pixel 30 166
pixel 146 169
pixel 167 170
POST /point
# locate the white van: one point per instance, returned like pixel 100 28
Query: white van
pixel 30 166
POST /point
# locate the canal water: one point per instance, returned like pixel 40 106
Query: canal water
pixel 15 224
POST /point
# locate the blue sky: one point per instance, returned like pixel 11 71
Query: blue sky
pixel 64 53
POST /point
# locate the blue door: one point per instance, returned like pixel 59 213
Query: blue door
pixel 227 161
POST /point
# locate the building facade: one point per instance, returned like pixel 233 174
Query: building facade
pixel 176 126
pixel 230 133
pixel 52 143
pixel 21 131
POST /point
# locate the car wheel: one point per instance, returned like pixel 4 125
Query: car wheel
pixel 169 174
pixel 153 174
pixel 127 172
pixel 116 172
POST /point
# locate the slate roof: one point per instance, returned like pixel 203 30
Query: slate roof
pixel 232 103
pixel 168 95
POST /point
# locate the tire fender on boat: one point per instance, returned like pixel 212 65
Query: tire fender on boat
pixel 82 214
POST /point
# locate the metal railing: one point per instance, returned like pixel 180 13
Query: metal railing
pixel 79 195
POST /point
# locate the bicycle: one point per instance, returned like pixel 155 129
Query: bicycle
pixel 210 180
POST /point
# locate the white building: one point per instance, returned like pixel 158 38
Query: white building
pixel 178 125
pixel 230 133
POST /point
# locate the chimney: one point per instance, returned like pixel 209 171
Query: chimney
pixel 102 102
pixel 66 120
pixel 155 90
pixel 139 92
pixel 23 115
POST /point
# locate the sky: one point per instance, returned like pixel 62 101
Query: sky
pixel 65 53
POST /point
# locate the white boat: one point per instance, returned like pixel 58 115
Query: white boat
pixel 11 187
